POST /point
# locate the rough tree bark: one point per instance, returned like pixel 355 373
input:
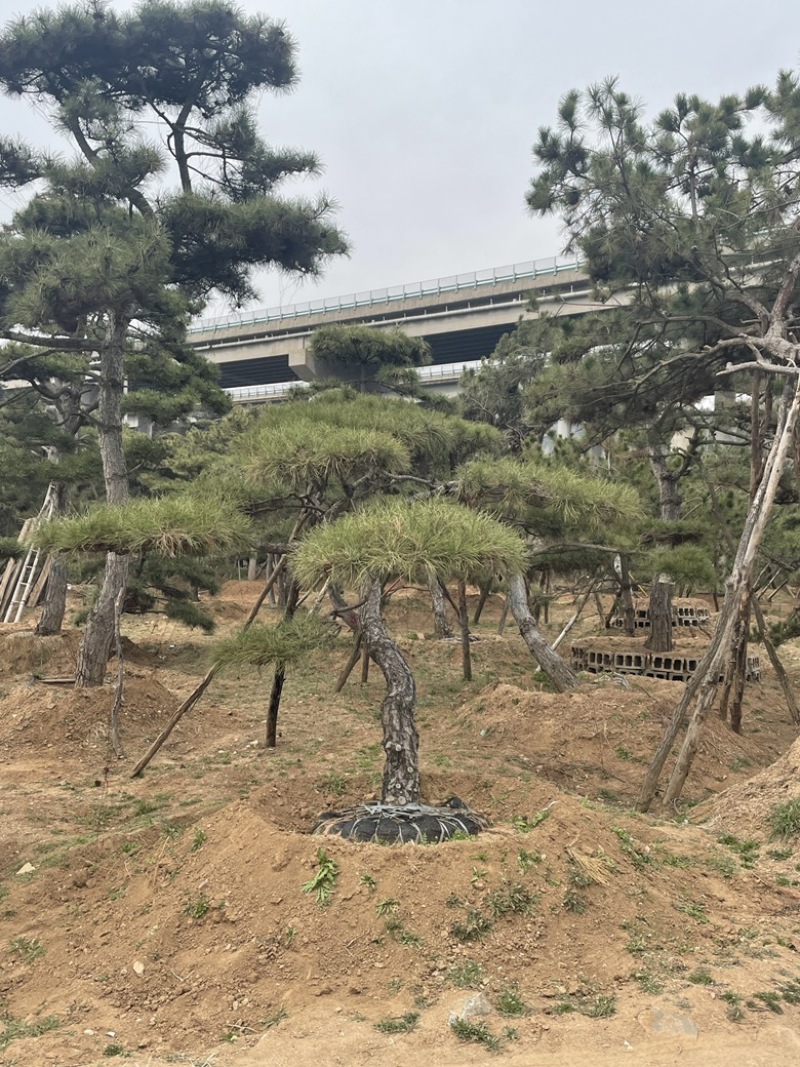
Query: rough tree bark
pixel 660 611
pixel 55 593
pixel 701 690
pixel 441 623
pixel 279 676
pixel 557 670
pixel 96 644
pixel 668 482
pixel 400 737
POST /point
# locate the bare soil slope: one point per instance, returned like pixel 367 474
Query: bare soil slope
pixel 166 920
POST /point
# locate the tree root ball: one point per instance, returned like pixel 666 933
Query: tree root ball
pixel 396 825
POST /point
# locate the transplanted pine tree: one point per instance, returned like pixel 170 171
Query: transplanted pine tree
pixel 419 542
pixel 555 507
pixel 693 217
pixel 120 243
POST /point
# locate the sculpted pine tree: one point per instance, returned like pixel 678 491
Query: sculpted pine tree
pixel 420 542
pixel 112 253
pixel 691 221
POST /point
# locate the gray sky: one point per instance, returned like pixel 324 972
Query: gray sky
pixel 424 111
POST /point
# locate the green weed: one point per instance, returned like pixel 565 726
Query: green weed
pixel 29 949
pixel 404 1025
pixel 509 1001
pixel 479 1033
pixel 324 881
pixel 785 819
pixel 467 975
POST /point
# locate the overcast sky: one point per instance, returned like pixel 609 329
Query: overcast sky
pixel 424 111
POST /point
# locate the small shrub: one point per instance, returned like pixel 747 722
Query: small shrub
pixel 199 840
pixel 601 1008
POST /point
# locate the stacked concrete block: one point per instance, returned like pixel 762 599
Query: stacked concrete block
pixel 686 615
pixel 672 667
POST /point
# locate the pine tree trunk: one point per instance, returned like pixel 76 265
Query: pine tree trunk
pixel 701 690
pixel 279 677
pixel 55 600
pixel 668 484
pixel 55 592
pixel 626 595
pixel 660 611
pixel 441 623
pixel 96 645
pixel 557 670
pixel 400 738
pixel 463 620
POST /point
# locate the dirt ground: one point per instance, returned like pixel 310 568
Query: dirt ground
pixel 166 920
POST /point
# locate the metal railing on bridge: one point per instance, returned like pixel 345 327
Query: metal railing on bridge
pixel 453 283
pixel 438 372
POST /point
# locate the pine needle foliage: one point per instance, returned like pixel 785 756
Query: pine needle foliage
pixel 290 641
pixel 417 541
pixel 168 526
pixel 307 452
pixel 544 498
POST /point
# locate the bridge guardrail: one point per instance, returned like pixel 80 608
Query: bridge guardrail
pixel 373 297
pixel 278 389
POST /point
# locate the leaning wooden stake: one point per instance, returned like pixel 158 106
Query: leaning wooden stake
pixel 193 697
pixel 348 668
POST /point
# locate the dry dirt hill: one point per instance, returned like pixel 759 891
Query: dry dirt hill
pixel 168 919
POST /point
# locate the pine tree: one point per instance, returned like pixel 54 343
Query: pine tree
pixel 689 222
pixel 119 246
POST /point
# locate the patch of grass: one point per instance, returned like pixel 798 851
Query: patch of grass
pixel 14 1029
pixel 733 1003
pixel 467 975
pixel 404 1025
pixel 274 1020
pixel 510 1002
pixel 368 882
pixel 29 949
pixel 648 983
pixel 700 977
pixel 525 823
pixel 773 853
pixel 324 881
pixel 785 819
pixel 600 1008
pixel 387 907
pixel 692 909
pixel 198 840
pixel 790 991
pixel 478 1033
pixel 638 855
pixel 527 859
pixel 725 865
pixel 114 1049
pixel 770 1000
pixel 198 908
pixel 473 928
pixel 563 1007
pixel 746 850
pixel 512 897
pixel 335 784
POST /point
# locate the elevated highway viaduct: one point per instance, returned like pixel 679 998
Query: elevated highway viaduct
pixel 262 354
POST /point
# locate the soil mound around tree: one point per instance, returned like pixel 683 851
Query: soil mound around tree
pixel 598 740
pixel 22 652
pixel 228 925
pixel 48 717
pixel 748 810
